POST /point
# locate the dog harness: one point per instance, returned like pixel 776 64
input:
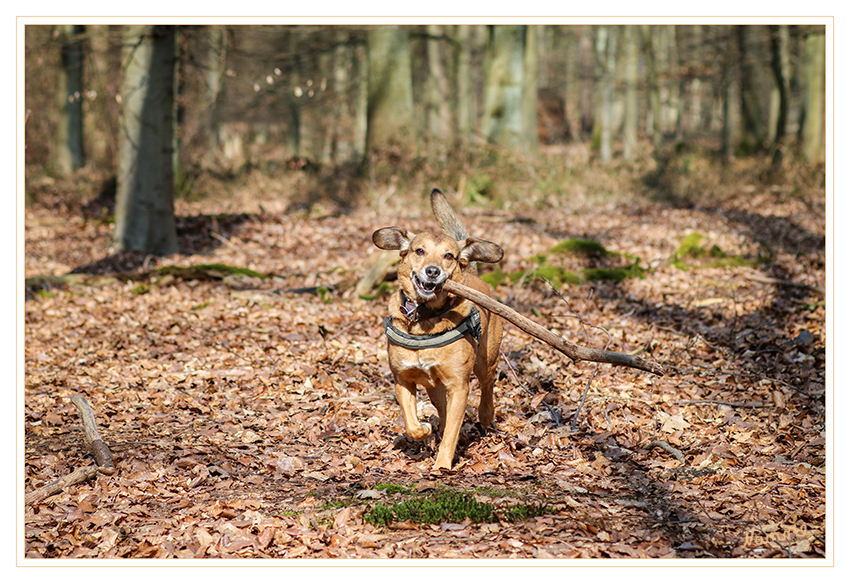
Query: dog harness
pixel 470 325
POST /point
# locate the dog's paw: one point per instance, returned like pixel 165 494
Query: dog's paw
pixel 427 431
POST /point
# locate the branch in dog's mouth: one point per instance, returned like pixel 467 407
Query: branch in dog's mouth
pixel 573 351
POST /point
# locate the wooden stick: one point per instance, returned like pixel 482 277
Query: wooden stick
pixel 56 486
pixel 573 351
pixel 680 457
pixel 101 452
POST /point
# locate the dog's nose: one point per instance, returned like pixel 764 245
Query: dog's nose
pixel 432 271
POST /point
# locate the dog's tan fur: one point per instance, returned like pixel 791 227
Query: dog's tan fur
pixel 427 260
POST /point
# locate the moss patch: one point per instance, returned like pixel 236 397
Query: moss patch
pixel 695 251
pixel 207 271
pixel 582 247
pixel 447 505
pixel 383 289
pixel 141 289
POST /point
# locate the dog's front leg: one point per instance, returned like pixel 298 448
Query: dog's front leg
pixel 455 410
pixel 405 394
pixel 437 395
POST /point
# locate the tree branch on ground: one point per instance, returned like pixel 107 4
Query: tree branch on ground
pixel 79 475
pixel 99 449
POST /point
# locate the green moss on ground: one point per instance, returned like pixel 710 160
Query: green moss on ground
pixel 446 505
pixel 693 251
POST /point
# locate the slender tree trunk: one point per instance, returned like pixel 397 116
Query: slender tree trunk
pixel 390 115
pixel 630 126
pixel 361 101
pixel 586 79
pixel 293 97
pixel 780 63
pixel 144 214
pixel 99 126
pixel 728 92
pixel 679 100
pixel 606 51
pixel 341 148
pixel 653 128
pixel 753 132
pixel 530 88
pixel 571 94
pixel 813 146
pixel 437 111
pixel 216 58
pixel 465 94
pixel 68 146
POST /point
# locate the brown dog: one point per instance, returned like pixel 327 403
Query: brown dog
pixel 435 339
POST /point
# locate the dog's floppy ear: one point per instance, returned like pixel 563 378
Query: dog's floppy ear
pixel 474 249
pixel 392 238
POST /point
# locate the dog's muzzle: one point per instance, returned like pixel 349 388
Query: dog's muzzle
pixel 428 281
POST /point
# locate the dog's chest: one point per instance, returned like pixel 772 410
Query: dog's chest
pixel 425 367
pixel 418 364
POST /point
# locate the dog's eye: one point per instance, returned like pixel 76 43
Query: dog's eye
pixel 448 257
pixel 420 251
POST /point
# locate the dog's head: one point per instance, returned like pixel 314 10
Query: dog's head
pixel 429 259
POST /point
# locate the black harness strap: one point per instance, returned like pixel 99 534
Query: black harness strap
pixel 470 325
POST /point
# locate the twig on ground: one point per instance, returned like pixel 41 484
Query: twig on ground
pixel 77 476
pixel 727 403
pixel 574 424
pixel 680 457
pixel 556 417
pixel 347 328
pixel 101 452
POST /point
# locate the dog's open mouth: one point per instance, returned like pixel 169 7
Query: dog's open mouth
pixel 426 289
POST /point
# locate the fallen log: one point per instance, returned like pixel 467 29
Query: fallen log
pixel 573 351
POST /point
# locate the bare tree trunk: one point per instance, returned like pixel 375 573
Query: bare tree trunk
pixel 342 66
pixel 586 79
pixel 813 146
pixel 781 70
pixel 653 128
pixel 437 112
pixel 361 101
pixel 465 94
pixel 571 94
pixel 68 146
pixel 606 52
pixel 505 119
pixel 293 97
pixel 727 93
pixel 677 63
pixel 530 88
pixel 753 132
pixel 390 115
pixel 216 57
pixel 630 127
pixel 144 213
pixel 99 126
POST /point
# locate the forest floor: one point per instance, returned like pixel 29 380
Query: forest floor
pixel 254 416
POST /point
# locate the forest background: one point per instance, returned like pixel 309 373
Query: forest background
pixel 671 177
